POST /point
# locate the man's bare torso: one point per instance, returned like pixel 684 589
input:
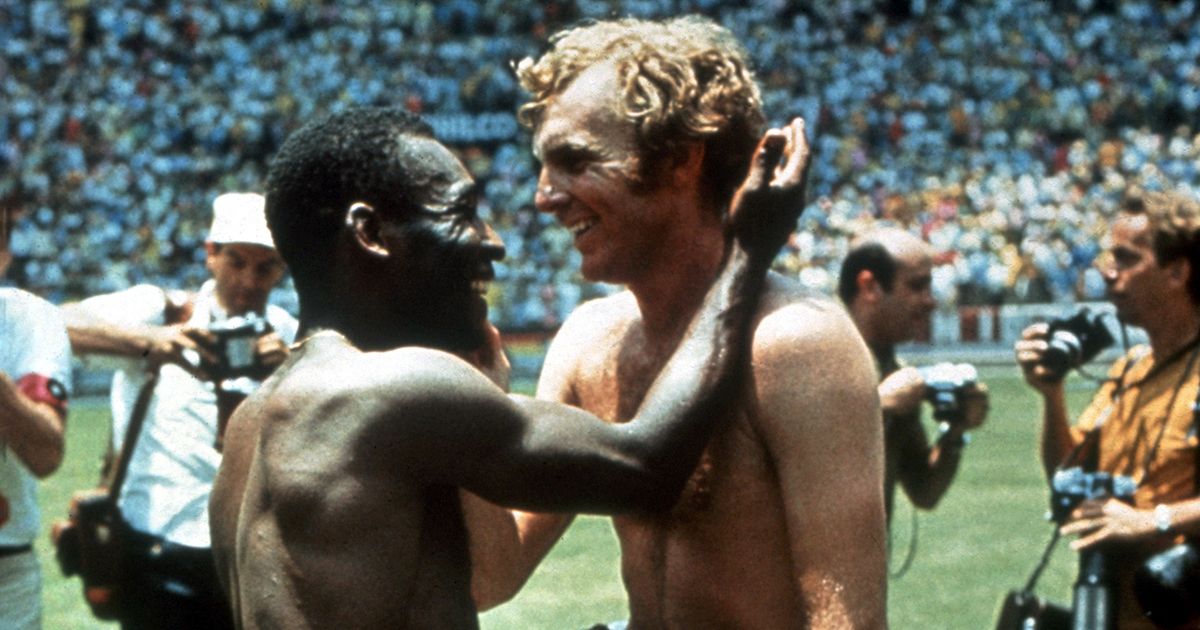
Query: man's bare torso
pixel 721 557
pixel 319 496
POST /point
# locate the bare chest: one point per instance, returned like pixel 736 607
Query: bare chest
pixel 727 526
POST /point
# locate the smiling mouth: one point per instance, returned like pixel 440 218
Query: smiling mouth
pixel 579 228
pixel 480 286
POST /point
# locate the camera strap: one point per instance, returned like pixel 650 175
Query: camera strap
pixel 137 418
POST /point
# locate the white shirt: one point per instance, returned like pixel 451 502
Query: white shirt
pixel 33 340
pixel 175 462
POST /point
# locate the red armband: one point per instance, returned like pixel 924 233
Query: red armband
pixel 44 389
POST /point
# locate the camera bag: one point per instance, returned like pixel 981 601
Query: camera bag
pixel 92 541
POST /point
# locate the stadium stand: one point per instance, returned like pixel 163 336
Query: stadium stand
pixel 1004 132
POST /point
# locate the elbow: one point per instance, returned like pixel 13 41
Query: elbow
pixel 46 463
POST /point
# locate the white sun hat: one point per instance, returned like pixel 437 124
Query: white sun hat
pixel 240 217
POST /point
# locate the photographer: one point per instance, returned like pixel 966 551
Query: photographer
pixel 885 283
pixel 1140 424
pixel 175 457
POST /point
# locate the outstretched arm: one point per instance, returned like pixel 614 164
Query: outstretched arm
pixel 542 455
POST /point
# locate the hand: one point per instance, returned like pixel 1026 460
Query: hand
pixel 270 350
pixel 1030 349
pixel 765 208
pixel 490 359
pixel 189 348
pixel 1107 521
pixel 902 391
pixel 975 406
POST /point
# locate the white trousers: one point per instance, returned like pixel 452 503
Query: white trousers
pixel 21 592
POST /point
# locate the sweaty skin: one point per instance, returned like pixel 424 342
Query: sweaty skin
pixel 338 500
pixel 780 526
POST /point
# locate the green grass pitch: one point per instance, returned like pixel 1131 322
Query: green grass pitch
pixel 981 541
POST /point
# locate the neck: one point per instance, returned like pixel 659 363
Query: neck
pixel 672 288
pixel 1169 334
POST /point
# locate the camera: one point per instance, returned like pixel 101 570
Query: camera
pixel 1094 603
pixel 235 340
pixel 945 384
pixel 1072 486
pixel 1074 341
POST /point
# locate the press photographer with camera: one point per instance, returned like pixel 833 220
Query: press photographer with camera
pixel 189 358
pixel 886 284
pixel 1125 476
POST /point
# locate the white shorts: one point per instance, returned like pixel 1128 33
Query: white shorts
pixel 21 592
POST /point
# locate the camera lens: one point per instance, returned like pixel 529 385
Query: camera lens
pixel 1063 352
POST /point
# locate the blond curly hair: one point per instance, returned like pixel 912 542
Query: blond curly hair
pixel 683 80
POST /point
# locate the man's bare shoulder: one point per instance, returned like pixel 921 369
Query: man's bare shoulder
pixel 388 377
pixel 794 318
pixel 593 322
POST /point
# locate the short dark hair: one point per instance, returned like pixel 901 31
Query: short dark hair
pixel 870 256
pixel 323 168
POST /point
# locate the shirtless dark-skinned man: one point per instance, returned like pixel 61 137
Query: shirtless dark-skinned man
pixel 337 504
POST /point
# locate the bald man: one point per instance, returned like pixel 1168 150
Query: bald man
pixel 885 283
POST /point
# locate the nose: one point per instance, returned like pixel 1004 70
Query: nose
pixel 491 243
pixel 550 196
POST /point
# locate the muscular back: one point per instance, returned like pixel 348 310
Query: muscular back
pixel 740 548
pixel 332 533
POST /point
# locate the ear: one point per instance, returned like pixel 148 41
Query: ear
pixel 364 224
pixel 868 285
pixel 210 252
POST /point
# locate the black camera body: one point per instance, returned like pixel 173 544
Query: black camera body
pixel 945 386
pixel 235 342
pixel 1072 486
pixel 1094 603
pixel 1074 341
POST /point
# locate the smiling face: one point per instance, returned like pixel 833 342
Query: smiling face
pixel 440 252
pixel 590 180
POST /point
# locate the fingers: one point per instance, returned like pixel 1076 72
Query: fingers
pixel 766 158
pixel 271 350
pixel 196 340
pixel 797 153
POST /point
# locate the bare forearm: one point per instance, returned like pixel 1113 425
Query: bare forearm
pixel 675 419
pixel 92 336
pixel 33 431
pixel 1056 431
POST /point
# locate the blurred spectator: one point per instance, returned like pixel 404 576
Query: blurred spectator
pixel 123 117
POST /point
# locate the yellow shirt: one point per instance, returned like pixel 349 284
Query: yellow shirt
pixel 1154 408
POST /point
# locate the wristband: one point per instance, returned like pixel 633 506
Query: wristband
pixel 43 389
pixel 1162 518
pixel 951 440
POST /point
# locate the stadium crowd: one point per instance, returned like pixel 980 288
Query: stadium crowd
pixel 1003 132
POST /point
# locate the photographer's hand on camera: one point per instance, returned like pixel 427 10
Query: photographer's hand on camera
pixel 975 406
pixel 901 393
pixel 187 347
pixel 1030 351
pixel 1108 521
pixel 270 350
